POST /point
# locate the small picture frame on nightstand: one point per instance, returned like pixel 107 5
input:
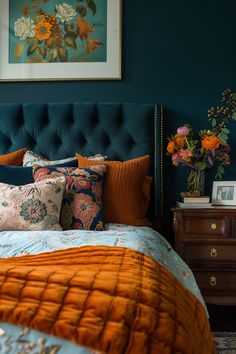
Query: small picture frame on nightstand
pixel 224 193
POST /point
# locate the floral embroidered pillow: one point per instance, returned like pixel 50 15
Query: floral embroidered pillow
pixel 82 201
pixel 34 206
pixel 31 158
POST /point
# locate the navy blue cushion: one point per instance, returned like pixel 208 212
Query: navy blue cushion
pixel 18 175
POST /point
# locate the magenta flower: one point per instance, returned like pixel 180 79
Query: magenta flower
pixel 183 130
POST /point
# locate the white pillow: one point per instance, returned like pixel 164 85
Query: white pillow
pixel 31 158
pixel 34 206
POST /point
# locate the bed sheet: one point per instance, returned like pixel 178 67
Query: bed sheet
pixel 17 339
pixel 23 340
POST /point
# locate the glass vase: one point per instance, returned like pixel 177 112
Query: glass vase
pixel 196 182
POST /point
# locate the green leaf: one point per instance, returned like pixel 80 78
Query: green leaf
pixel 54 54
pixel 220 172
pixel 35 59
pixel 32 48
pixel 81 10
pixel 221 169
pixel 42 51
pixel 71 28
pixel 200 165
pixel 226 130
pixel 213 122
pixel 223 137
pixel 62 54
pixel 92 6
pixel 234 116
pixel 226 120
pixel 234 95
pixel 70 40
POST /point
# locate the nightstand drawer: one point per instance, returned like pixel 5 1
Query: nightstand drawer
pixel 206 239
pixel 205 226
pixel 209 252
pixel 216 280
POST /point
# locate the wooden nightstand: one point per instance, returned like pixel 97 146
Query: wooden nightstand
pixel 206 240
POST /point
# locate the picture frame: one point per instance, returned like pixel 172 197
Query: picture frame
pixel 42 41
pixel 224 193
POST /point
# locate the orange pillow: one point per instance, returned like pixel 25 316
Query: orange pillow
pixel 146 189
pixel 14 158
pixel 123 193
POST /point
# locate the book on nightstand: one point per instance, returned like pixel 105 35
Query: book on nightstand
pixel 202 199
pixel 194 205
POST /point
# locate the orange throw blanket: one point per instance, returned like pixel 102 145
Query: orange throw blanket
pixel 112 299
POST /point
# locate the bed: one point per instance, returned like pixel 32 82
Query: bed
pixel 107 284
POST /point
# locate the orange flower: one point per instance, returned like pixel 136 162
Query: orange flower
pixel 171 147
pixel 43 30
pixel 83 29
pixel 92 45
pixel 26 10
pixel 179 141
pixel 211 142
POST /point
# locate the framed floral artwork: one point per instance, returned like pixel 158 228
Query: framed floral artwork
pixel 60 40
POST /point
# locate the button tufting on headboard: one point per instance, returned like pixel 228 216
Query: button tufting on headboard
pixel 120 131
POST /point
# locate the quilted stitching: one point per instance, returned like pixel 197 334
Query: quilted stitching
pixel 113 299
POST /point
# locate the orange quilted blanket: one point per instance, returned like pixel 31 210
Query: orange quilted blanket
pixel 112 299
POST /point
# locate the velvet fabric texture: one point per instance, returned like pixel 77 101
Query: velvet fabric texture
pixel 110 299
pixel 19 175
pixel 82 206
pixel 34 206
pixel 14 158
pixel 123 190
pixel 57 130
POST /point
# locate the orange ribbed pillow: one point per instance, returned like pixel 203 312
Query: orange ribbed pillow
pixel 123 189
pixel 14 158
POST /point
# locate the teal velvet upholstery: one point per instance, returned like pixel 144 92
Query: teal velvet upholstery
pixel 121 131
pixel 58 130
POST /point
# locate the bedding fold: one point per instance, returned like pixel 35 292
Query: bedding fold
pixel 111 299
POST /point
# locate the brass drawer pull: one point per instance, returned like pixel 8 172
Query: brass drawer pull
pixel 213 280
pixel 213 226
pixel 213 252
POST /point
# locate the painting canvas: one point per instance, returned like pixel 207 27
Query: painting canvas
pixel 54 39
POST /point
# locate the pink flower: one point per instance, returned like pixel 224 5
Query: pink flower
pixel 81 183
pixel 183 130
pixel 182 154
pixel 175 159
pixel 185 154
pixel 84 209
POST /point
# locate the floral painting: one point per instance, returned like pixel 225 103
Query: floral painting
pixel 57 31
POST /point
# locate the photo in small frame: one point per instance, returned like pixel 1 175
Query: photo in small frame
pixel 224 193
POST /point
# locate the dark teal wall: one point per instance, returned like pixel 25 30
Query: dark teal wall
pixel 181 53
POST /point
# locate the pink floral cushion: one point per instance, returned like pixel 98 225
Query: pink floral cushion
pixel 82 206
pixel 34 206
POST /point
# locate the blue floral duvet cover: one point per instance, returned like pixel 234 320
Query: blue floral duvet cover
pixel 22 340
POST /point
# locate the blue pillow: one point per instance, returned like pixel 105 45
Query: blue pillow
pixel 18 175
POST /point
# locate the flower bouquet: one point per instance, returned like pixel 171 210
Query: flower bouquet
pixel 209 148
pixel 55 32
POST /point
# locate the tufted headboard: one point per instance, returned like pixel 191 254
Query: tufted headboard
pixel 121 131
